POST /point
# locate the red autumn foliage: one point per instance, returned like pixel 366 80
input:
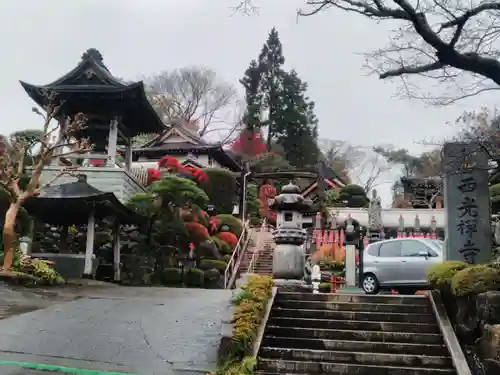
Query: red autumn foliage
pixel 153 175
pixel 172 164
pixel 266 192
pixel 169 162
pixel 229 238
pixel 214 224
pixel 197 232
pixel 198 174
pixel 249 142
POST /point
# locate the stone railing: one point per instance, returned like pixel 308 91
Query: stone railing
pixel 138 173
pixel 239 250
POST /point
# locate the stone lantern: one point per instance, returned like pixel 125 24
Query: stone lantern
pixel 289 236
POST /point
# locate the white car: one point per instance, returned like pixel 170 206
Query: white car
pixel 400 264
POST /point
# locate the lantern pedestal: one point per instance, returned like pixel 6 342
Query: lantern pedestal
pixel 288 261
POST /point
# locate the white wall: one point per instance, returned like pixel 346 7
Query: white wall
pixel 200 159
pixel 390 216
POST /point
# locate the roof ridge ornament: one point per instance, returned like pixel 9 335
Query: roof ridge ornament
pixel 94 54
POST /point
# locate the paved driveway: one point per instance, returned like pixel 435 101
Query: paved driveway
pixel 144 331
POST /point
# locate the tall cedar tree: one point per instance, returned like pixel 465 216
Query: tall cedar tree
pixel 296 125
pixel 270 62
pixel 253 95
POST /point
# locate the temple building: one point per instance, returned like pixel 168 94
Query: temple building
pixel 116 113
pixel 181 141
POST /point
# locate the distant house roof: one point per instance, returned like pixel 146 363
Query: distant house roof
pixel 175 128
pixel 190 142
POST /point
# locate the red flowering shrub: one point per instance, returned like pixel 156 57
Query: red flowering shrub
pixel 197 232
pixel 153 175
pixel 172 164
pixel 169 162
pixel 214 224
pixel 229 238
pixel 203 218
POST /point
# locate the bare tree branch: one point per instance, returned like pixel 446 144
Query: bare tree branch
pixel 454 44
pixel 12 159
pixel 192 94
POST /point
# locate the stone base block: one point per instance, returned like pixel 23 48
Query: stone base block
pixel 288 262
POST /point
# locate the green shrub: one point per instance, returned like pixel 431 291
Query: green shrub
pixel 220 188
pixel 45 273
pixel 171 276
pixel 223 247
pixel 441 274
pixel 194 277
pixel 207 264
pixel 474 280
pixel 325 287
pixel 250 308
pixel 255 221
pixel 227 258
pixel 235 225
pixel 211 276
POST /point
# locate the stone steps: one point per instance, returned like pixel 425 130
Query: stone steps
pixel 354 315
pixel 264 265
pixel 352 334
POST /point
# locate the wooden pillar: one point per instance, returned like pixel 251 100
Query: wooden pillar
pixel 116 251
pixel 112 141
pixel 128 155
pixel 89 250
pixel 439 203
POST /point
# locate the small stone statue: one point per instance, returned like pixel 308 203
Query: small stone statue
pixel 316 278
pixel 375 212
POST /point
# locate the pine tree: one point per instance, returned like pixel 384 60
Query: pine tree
pixel 271 62
pixel 251 81
pixel 296 125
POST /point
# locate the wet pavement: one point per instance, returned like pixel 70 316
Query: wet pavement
pixel 93 331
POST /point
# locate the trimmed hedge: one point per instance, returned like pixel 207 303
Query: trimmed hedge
pixel 171 276
pixel 194 277
pixel 440 275
pixel 223 247
pixel 208 264
pixel 211 275
pixel 474 280
pixel 220 188
pixel 235 225
pixel 251 305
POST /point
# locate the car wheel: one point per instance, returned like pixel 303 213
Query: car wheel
pixel 370 284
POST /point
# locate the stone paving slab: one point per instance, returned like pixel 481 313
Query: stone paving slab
pixel 167 331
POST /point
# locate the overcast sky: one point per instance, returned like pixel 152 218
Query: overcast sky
pixel 41 40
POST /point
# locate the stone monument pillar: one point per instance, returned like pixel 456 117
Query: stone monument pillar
pixel 289 236
pixel 467 203
pixel 375 227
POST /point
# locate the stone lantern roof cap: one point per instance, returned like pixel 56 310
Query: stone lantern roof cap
pixel 290 189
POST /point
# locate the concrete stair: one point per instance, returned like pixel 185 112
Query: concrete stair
pixel 352 334
pixel 264 265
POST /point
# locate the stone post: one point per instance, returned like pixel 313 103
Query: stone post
pixel 112 142
pixel 89 248
pixel 467 203
pixel 316 278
